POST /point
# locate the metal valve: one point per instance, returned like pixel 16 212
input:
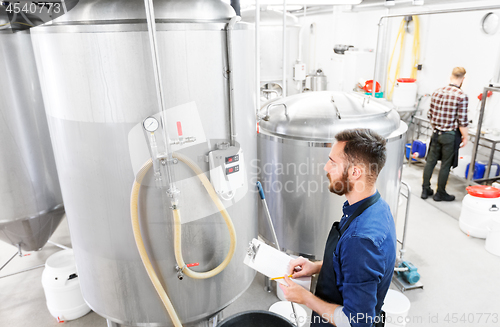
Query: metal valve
pixel 180 274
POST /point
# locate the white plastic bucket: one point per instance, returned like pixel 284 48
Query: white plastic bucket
pixel 476 214
pixel 396 307
pixel 492 244
pixel 405 94
pixel 284 309
pixel 62 287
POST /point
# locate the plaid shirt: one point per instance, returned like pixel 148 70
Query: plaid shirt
pixel 448 108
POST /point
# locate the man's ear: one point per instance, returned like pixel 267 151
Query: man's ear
pixel 356 172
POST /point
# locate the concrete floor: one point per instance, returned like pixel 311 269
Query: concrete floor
pixel 460 277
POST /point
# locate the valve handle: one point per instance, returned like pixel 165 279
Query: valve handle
pixel 179 128
pixel 261 191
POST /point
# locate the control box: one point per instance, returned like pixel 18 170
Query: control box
pixel 226 170
pixel 299 72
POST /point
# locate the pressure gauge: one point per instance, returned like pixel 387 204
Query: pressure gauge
pixel 490 23
pixel 150 124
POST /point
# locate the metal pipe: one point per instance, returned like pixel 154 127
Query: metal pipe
pixel 435 12
pixel 257 56
pixel 284 48
pixel 229 46
pixel 24 270
pixel 5 264
pixel 151 21
pixel 478 136
pixel 407 213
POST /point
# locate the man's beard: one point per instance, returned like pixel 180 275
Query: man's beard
pixel 342 185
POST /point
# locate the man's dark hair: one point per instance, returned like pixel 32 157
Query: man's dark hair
pixel 364 147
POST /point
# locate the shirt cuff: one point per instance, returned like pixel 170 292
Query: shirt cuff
pixel 340 318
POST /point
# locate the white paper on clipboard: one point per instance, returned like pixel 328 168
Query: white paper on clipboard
pixel 273 263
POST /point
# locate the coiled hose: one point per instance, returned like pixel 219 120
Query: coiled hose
pixel 134 212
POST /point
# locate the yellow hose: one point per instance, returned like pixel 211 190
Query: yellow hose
pixel 134 212
pixel 177 221
pixel 415 55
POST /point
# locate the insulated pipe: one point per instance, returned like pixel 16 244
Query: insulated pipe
pixel 229 46
pixel 134 212
pixel 435 12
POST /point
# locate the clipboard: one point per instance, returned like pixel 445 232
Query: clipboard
pixel 271 263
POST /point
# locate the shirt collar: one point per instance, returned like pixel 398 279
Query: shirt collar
pixel 349 209
pixel 455 85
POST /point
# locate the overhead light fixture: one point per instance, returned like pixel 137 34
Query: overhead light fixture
pixel 390 3
pixel 418 2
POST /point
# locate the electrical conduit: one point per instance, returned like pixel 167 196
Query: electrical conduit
pixel 134 212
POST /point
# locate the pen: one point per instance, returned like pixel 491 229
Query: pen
pixel 289 276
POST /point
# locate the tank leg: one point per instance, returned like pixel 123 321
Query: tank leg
pixel 214 321
pixel 112 324
pixel 268 286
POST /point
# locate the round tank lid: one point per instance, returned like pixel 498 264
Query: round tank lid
pixel 122 10
pixel 268 17
pixel 319 116
pixel 483 191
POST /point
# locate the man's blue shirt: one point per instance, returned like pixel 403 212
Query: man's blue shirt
pixel 364 260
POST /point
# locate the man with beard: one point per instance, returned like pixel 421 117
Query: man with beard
pixel 360 252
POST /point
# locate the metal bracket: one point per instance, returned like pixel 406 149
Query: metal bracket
pixel 163 158
pixel 252 250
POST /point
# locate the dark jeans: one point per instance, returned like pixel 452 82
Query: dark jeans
pixel 442 147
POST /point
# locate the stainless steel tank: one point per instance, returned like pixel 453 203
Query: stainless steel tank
pixel 296 134
pixel 30 197
pixel 318 81
pixel 271 50
pixel 98 85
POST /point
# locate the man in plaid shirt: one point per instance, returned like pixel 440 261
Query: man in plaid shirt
pixel 448 117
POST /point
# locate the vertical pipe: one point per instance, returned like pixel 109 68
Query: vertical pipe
pixel 478 136
pixel 284 48
pixel 377 57
pixel 407 214
pixel 229 46
pixel 150 16
pixel 257 55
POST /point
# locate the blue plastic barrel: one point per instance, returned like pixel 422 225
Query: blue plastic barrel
pixel 479 169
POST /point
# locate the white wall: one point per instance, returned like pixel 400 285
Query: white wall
pixel 447 41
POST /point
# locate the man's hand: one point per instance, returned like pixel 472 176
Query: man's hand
pixel 301 267
pixel 464 141
pixel 465 135
pixel 294 293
